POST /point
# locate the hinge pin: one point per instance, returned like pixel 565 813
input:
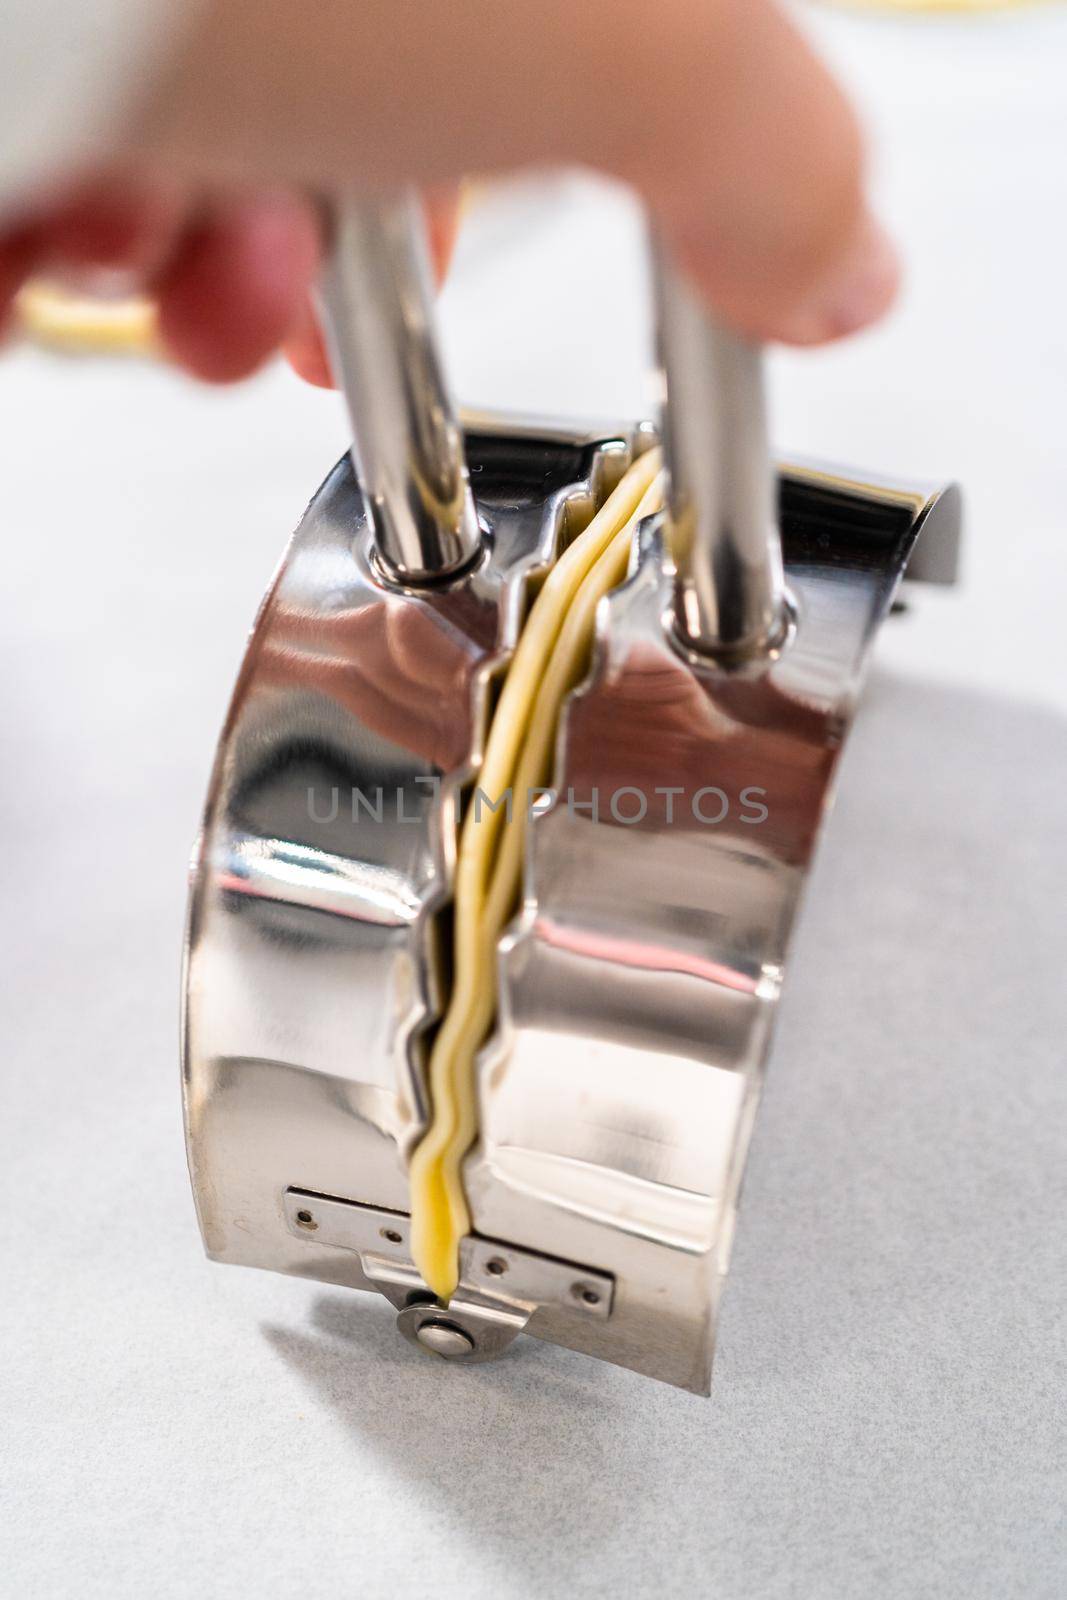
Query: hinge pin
pixel 445 1339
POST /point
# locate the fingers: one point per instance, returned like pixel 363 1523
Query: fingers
pixel 717 110
pixel 117 225
pixel 231 276
pixel 237 284
pixel 18 252
pixel 442 208
pixel 764 195
pixel 855 292
pixel 112 233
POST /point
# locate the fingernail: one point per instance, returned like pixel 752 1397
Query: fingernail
pixel 856 294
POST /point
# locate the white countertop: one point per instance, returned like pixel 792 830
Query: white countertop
pixel 888 1409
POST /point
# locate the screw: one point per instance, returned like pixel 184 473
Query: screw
pixel 444 1339
pixel 496 1266
pixel 392 1235
pixel 306 1220
pixel 586 1294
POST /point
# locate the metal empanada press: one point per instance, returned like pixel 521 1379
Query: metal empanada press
pixel 511 813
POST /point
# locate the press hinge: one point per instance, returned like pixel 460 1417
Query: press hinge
pixel 500 1287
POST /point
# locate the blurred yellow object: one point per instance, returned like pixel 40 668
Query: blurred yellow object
pixel 933 6
pixel 81 325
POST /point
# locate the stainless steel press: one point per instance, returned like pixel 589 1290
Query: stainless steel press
pixel 640 977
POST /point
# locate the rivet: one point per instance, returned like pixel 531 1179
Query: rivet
pixel 444 1339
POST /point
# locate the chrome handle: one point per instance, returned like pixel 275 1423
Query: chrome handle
pixel 730 597
pixel 408 446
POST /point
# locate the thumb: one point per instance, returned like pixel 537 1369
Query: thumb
pixel 756 172
pixel 717 110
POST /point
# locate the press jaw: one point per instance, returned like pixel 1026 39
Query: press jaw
pixel 500 1286
pixel 638 983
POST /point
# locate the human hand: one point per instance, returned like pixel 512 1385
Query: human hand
pixel 719 114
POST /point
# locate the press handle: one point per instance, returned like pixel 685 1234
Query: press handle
pixel 730 597
pixel 407 443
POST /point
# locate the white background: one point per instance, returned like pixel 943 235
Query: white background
pixel 888 1414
